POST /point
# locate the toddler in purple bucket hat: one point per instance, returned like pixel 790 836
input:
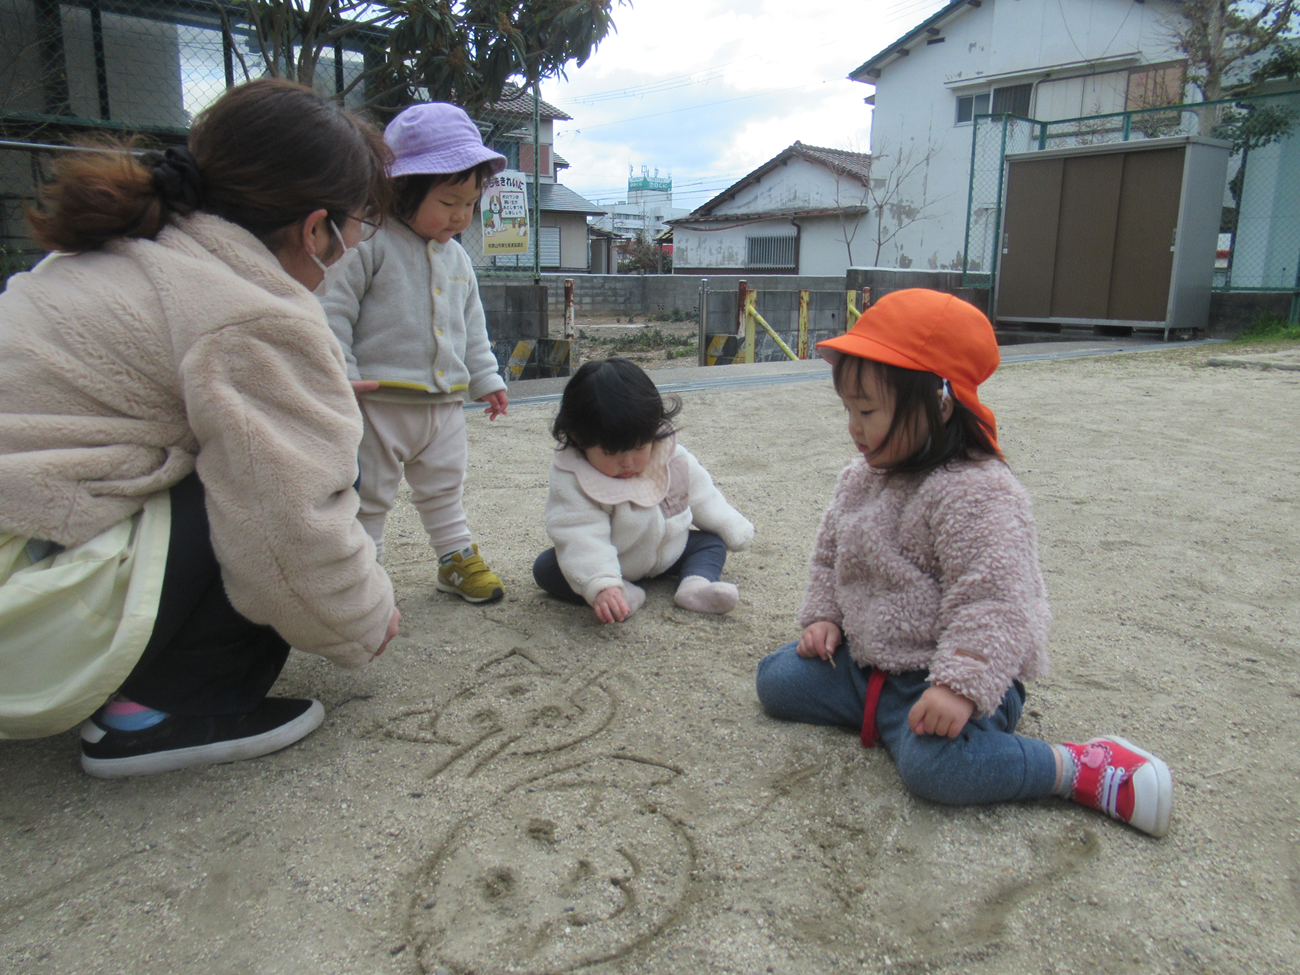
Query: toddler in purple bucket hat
pixel 437 138
pixel 406 310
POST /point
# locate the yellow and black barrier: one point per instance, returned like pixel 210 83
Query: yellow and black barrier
pixel 538 359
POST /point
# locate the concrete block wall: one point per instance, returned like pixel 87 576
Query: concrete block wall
pixel 882 280
pixel 1231 313
pixel 514 311
pixel 642 295
pixel 518 311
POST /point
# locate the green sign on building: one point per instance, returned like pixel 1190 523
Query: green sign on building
pixel 653 183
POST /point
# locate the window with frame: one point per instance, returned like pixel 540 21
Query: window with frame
pixel 1008 100
pixel 510 150
pixel 771 251
pixel 1155 85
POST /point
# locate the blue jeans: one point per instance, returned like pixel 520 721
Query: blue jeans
pixel 705 555
pixel 986 762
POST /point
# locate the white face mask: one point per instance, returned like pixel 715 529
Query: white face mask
pixel 333 271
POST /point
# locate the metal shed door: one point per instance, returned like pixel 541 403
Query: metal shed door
pixel 1090 238
pixel 1029 238
pixel 1144 235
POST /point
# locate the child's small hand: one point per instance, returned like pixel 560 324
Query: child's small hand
pixel 819 640
pixel 496 403
pixel 611 605
pixel 364 385
pixel 941 711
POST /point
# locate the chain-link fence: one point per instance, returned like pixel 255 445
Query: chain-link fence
pixel 1259 239
pixel 995 136
pixel 72 69
pixel 518 128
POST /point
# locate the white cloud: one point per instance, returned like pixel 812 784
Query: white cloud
pixel 708 90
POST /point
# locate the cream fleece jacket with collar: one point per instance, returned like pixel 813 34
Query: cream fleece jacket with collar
pixel 913 570
pixel 607 529
pixel 407 312
pixel 123 369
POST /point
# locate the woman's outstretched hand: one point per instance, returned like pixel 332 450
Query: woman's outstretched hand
pixel 393 624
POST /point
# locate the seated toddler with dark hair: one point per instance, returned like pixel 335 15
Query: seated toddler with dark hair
pixel 624 496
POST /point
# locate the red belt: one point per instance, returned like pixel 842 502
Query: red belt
pixel 875 681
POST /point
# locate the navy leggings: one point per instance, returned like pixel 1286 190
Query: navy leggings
pixel 704 556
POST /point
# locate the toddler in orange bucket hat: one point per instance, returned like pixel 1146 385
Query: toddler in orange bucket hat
pixel 927 331
pixel 926 607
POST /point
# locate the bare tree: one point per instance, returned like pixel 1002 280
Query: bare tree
pixel 852 192
pixel 888 191
pixel 32 78
pixel 1217 34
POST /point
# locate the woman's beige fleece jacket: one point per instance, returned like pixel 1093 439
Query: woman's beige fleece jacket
pixel 122 370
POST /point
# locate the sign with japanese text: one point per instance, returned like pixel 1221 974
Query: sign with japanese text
pixel 505 214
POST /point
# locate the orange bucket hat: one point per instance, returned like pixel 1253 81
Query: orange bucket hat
pixel 929 331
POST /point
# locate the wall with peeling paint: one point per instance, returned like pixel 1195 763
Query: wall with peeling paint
pixel 796 185
pixel 823 250
pixel 719 247
pixel 1055 45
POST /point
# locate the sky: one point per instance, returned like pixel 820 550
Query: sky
pixel 706 91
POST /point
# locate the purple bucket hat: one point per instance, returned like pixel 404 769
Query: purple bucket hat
pixel 436 138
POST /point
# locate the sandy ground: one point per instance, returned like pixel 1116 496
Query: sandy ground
pixel 518 788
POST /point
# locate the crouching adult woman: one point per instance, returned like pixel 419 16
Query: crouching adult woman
pixel 178 441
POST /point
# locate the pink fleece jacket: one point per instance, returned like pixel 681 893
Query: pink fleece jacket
pixel 914 570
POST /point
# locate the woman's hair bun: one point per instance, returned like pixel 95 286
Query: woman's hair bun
pixel 177 178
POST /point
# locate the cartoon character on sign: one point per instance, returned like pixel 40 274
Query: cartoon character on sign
pixel 492 219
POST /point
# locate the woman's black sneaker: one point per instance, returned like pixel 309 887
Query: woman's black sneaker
pixel 179 741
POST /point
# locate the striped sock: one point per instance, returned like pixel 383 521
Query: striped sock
pixel 1068 770
pixel 121 714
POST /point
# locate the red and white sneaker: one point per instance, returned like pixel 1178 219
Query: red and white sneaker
pixel 1123 781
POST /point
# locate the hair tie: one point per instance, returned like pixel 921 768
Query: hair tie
pixel 176 176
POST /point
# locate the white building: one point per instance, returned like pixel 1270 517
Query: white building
pixel 648 207
pixel 804 211
pixel 1041 59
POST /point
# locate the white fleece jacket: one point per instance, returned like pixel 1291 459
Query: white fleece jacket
pixel 122 370
pixel 607 529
